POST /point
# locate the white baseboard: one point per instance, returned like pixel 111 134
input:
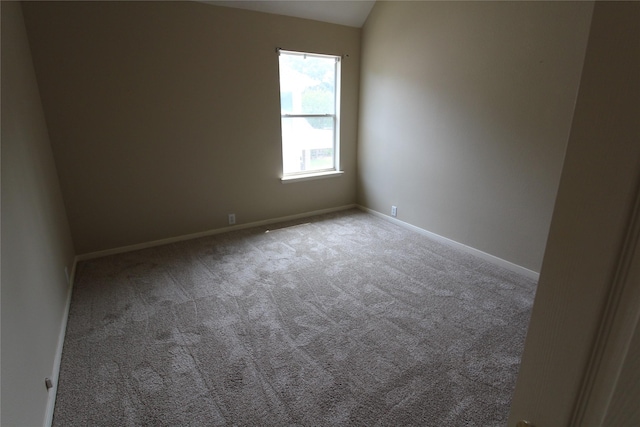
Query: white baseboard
pixel 51 401
pixel 72 276
pixel 460 246
pixel 468 249
pixel 129 248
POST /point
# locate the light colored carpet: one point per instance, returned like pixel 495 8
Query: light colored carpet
pixel 341 319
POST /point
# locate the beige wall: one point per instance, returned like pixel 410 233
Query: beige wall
pixel 465 111
pixel 36 243
pixel 600 181
pixel 164 116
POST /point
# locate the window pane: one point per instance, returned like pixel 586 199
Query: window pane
pixel 307 144
pixel 307 84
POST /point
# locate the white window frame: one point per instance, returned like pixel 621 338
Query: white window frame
pixel 317 173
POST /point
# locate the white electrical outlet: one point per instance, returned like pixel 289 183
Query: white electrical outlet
pixel 232 219
pixel 394 211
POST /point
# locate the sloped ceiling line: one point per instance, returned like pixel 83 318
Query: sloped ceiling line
pixel 352 13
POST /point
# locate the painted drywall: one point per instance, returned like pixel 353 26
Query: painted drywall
pixel 465 110
pixel 164 117
pixel 36 242
pixel 600 180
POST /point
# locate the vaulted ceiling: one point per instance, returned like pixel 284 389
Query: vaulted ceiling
pixel 352 13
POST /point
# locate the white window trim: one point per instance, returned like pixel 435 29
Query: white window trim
pixel 336 170
pixel 288 179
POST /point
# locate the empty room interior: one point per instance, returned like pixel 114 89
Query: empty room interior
pixel 460 247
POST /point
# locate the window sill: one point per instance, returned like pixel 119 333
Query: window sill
pixel 310 176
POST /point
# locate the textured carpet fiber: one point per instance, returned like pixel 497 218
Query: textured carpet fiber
pixel 339 319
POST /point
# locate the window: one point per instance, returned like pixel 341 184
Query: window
pixel 310 106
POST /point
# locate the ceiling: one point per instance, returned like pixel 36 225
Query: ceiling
pixel 352 13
